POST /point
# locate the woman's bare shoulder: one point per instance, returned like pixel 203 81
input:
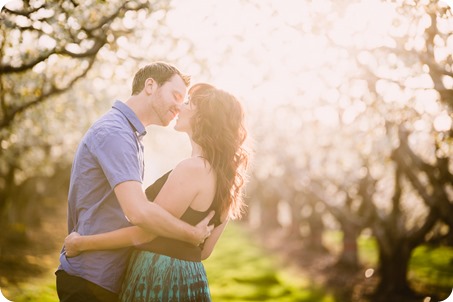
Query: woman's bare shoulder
pixel 194 166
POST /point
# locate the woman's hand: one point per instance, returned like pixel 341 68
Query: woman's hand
pixel 71 245
pixel 203 229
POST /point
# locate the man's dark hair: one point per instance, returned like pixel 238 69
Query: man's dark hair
pixel 160 72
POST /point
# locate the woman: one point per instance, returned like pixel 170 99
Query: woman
pixel 210 180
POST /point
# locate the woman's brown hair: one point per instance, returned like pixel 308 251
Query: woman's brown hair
pixel 218 127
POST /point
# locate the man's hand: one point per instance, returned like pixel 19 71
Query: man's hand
pixel 70 245
pixel 203 229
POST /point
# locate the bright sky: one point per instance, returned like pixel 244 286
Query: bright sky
pixel 266 51
pixel 271 53
pixel 274 54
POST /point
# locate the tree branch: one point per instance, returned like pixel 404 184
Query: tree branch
pixel 9 116
pixel 24 12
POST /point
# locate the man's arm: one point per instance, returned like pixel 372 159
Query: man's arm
pixel 151 217
pixel 74 243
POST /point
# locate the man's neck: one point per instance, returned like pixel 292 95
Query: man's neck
pixel 137 105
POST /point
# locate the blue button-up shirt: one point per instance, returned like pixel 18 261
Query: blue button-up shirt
pixel 110 153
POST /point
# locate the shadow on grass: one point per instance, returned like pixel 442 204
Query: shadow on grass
pixel 242 270
pixel 239 270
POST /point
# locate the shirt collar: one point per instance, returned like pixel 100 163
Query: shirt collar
pixel 131 117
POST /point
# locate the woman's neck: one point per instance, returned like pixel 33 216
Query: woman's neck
pixel 196 149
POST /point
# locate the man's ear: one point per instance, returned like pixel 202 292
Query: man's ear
pixel 150 86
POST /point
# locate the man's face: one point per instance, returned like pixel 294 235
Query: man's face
pixel 169 98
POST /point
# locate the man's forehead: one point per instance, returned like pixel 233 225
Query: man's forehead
pixel 176 83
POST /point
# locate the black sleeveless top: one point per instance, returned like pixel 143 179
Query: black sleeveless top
pixel 172 247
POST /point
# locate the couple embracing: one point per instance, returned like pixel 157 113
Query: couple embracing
pixel 130 244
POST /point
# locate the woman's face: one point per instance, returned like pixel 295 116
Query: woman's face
pixel 183 122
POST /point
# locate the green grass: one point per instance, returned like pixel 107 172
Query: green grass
pixel 239 271
pixel 36 289
pixel 432 267
pixel 368 254
pixel 429 267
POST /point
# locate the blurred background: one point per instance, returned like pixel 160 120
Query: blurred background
pixel 349 106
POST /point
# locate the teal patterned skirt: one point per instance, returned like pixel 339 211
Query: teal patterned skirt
pixel 152 277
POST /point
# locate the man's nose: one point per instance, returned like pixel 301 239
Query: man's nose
pixel 177 108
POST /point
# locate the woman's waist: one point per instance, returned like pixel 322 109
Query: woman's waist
pixel 173 248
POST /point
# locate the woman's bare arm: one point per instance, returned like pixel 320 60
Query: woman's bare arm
pixel 211 241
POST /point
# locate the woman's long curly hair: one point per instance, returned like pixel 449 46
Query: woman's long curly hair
pixel 218 127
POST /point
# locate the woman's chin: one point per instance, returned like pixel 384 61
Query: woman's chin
pixel 177 128
pixel 180 127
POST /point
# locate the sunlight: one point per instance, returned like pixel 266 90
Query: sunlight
pixel 275 68
pixel 426 102
pixel 330 89
pixel 443 122
pixel 2 298
pixel 16 4
pixel 275 58
pixel 369 18
pixel 327 115
pixel 46 42
pixel 448 2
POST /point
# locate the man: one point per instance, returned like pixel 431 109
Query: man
pixel 106 192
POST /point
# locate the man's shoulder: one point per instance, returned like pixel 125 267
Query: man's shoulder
pixel 109 133
pixel 110 125
pixel 111 119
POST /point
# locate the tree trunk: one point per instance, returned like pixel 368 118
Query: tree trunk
pixel 316 231
pixel 296 218
pixel 349 258
pixel 268 213
pixel 393 267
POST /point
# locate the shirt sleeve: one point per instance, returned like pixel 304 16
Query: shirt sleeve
pixel 119 156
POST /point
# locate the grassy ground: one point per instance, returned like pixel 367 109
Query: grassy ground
pixel 241 270
pixel 238 270
pixel 430 268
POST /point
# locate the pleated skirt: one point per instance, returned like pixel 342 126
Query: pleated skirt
pixel 152 277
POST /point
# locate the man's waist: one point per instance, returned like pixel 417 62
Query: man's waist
pixel 104 268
